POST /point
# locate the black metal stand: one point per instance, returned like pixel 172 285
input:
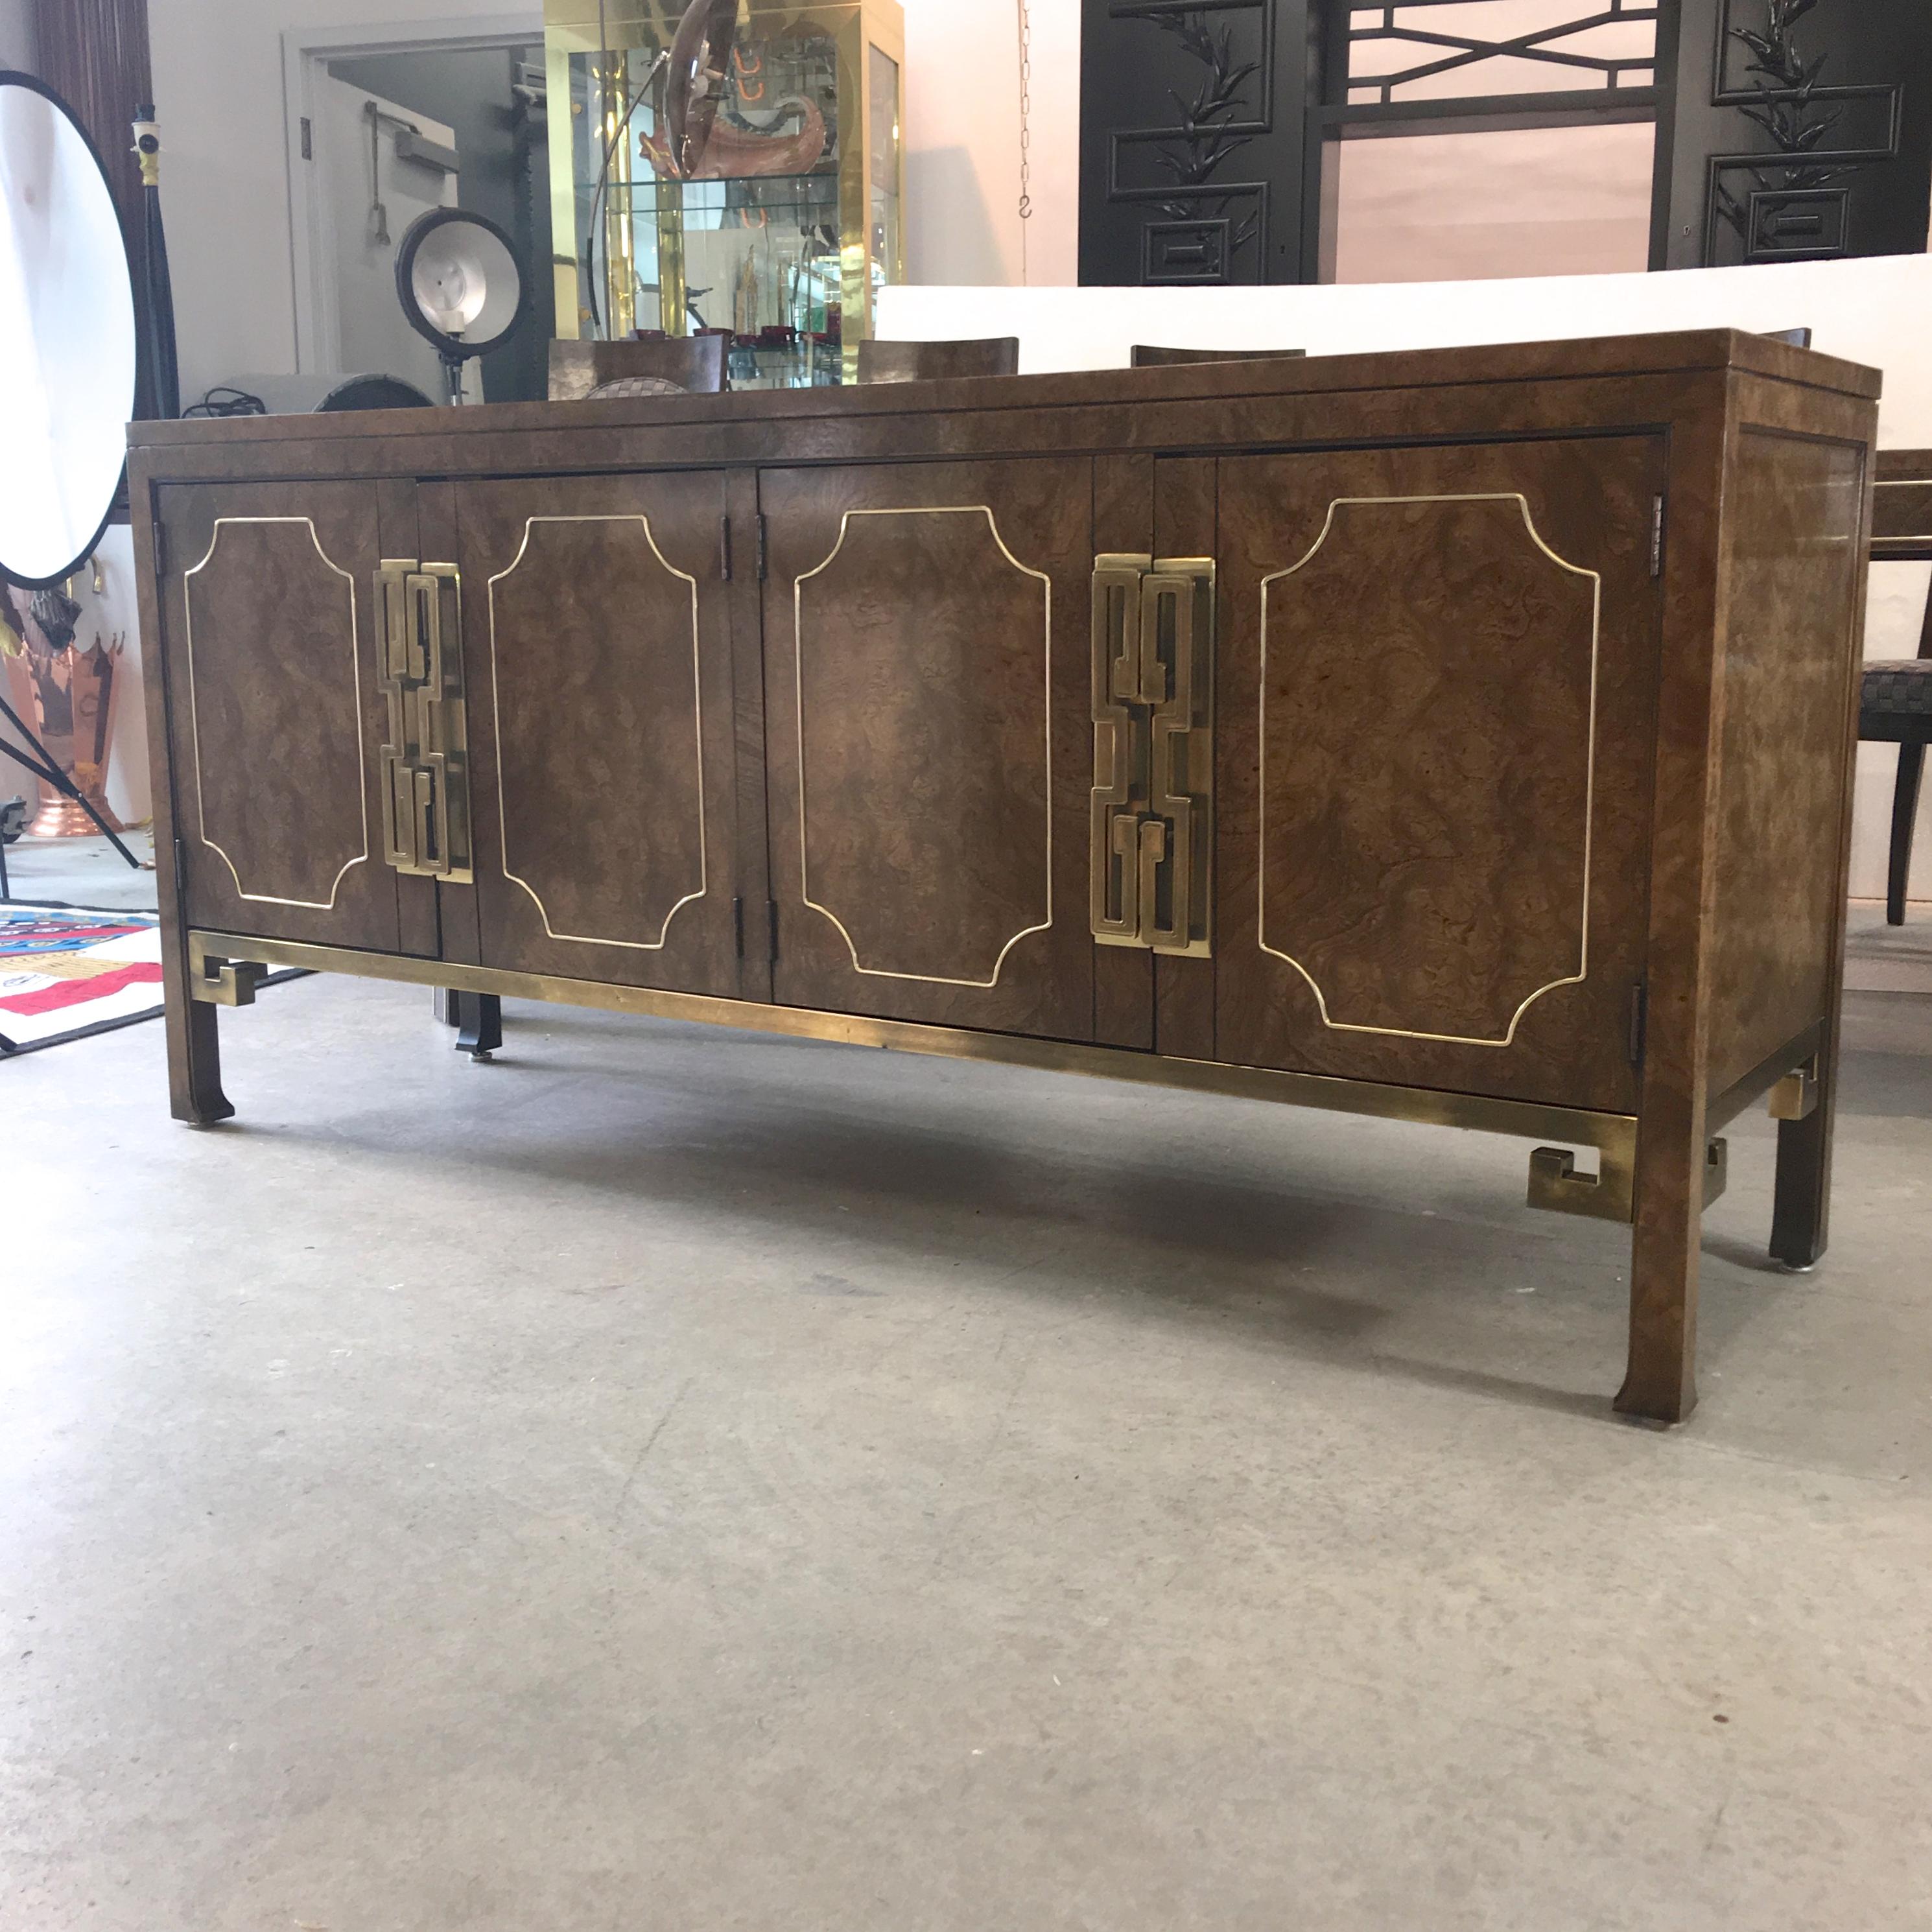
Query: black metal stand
pixel 49 773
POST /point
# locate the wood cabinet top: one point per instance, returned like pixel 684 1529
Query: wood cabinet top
pixel 797 411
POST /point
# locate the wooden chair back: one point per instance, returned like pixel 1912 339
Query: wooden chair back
pixel 1146 355
pixel 1902 509
pixel 694 364
pixel 935 362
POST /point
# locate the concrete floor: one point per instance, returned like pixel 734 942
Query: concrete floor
pixel 82 872
pixel 672 1480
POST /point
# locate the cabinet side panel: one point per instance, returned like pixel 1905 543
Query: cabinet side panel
pixel 1795 558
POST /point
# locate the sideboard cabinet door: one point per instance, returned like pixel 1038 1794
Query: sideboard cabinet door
pixel 597 648
pixel 275 718
pixel 929 744
pixel 1438 705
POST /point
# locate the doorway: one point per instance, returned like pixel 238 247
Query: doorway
pixel 384 129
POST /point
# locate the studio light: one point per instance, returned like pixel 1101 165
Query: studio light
pixel 462 287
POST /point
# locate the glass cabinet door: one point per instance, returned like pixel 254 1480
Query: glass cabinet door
pixel 791 221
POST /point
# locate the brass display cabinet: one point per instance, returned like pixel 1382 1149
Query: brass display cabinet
pixel 792 223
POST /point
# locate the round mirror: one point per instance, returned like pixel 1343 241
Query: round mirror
pixel 460 282
pixel 68 348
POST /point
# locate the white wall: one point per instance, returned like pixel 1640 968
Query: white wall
pixel 963 144
pixel 218 90
pixel 1871 311
pixel 16 36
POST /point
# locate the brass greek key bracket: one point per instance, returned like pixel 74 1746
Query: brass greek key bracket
pixel 1608 1194
pixel 425 773
pixel 226 983
pixel 1153 800
pixel 1795 1096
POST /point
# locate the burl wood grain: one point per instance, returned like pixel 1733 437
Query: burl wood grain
pixel 1405 844
pixel 925 675
pixel 274 721
pixel 923 652
pixel 598 642
pixel 1793 564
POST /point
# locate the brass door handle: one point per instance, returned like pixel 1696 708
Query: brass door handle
pixel 1154 713
pixel 425 761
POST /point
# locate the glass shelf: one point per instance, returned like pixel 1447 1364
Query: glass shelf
pixel 785 241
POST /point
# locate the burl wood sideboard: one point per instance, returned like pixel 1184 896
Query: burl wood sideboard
pixel 1463 737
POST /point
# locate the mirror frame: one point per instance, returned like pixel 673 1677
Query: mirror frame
pixel 13 77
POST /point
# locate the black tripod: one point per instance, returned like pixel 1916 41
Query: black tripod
pixel 49 774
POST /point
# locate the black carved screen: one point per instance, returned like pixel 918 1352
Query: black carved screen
pixel 1193 115
pixel 1787 129
pixel 1398 52
pixel 1802 131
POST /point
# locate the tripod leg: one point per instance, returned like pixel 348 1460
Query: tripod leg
pixel 43 768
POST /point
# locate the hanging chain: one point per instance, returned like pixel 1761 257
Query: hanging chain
pixel 1026 110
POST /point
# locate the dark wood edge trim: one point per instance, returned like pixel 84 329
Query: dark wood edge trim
pixel 1676 353
pixel 1763 1077
pixel 1616 1134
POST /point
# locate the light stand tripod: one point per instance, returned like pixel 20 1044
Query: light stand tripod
pixel 49 774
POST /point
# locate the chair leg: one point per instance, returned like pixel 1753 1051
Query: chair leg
pixel 1904 815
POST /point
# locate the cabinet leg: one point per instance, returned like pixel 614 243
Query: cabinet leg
pixel 1801 1208
pixel 443 1003
pixel 479 1018
pixel 194 1063
pixel 1661 1383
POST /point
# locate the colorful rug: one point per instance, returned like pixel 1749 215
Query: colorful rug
pixel 64 975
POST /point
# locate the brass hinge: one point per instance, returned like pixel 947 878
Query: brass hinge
pixel 1639 1021
pixel 160 530
pixel 738 926
pixel 307 138
pixel 425 757
pixel 1657 536
pixel 725 548
pixel 1152 805
pixel 772 931
pixel 764 553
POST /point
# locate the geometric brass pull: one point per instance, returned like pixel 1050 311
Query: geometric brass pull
pixel 1152 808
pixel 425 766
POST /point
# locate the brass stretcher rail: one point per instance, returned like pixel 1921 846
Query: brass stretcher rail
pixel 224 967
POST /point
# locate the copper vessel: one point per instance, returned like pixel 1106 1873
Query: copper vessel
pixel 73 694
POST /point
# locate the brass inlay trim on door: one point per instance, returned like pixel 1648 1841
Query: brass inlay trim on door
pixel 656 945
pixel 194 714
pixel 1582 971
pixel 798 692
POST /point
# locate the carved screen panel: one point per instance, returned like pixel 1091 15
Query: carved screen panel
pixel 925 675
pixel 1442 664
pixel 275 712
pixel 1398 51
pixel 1800 133
pixel 597 639
pixel 1192 123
